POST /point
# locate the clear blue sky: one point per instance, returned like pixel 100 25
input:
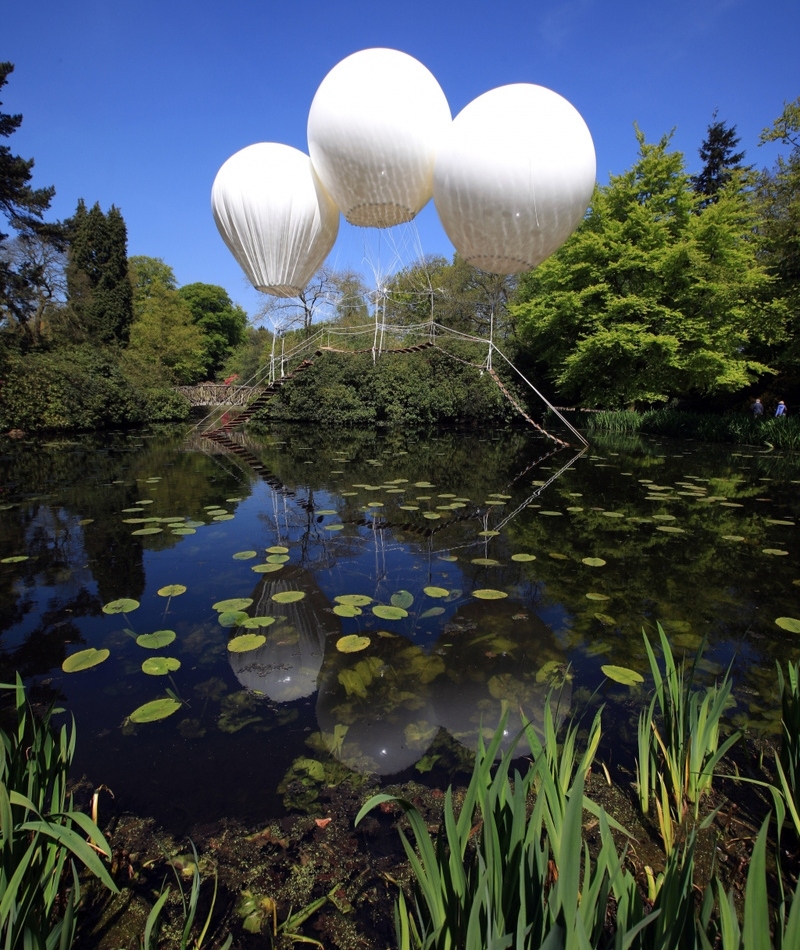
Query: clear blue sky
pixel 138 104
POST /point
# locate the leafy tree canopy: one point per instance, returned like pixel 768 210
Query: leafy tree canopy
pixel 650 299
pixel 720 162
pixel 223 322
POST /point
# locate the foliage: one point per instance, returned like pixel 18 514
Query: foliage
pixel 42 835
pixel 223 323
pixel 650 299
pixel 788 764
pixel 100 292
pixel 737 428
pixel 398 388
pixel 22 271
pixel 679 741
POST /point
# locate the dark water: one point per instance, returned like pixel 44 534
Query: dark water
pixel 698 538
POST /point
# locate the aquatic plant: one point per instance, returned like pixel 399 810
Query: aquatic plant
pixel 679 740
pixel 787 763
pixel 42 834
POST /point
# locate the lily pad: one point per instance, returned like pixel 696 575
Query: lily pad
pixel 183 531
pixel 253 623
pixel 354 600
pixel 234 603
pixel 402 598
pixel 14 559
pixel 431 515
pixel 436 591
pixel 352 643
pixel 593 562
pixel 152 530
pixel 155 710
pixel 486 593
pixel 266 568
pixel 171 590
pixel 277 558
pixel 334 527
pixel 593 595
pixel 288 596
pixel 523 557
pixel 346 610
pixel 122 606
pixel 84 660
pixel 245 642
pixel 244 555
pixel 775 552
pixel 277 549
pixel 154 641
pixel 160 665
pixel 488 534
pixel 486 561
pixel 387 612
pixel 621 674
pixel 432 612
pixel 232 618
pixel 788 623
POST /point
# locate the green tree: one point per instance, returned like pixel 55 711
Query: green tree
pixel 352 297
pixel 720 162
pixel 223 322
pixel 778 195
pixel 650 299
pixel 144 271
pixel 100 291
pixel 165 344
pixel 22 274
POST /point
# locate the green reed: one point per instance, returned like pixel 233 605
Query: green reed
pixel 787 764
pixel 41 835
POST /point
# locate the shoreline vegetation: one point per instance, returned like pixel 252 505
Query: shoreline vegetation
pixel 543 846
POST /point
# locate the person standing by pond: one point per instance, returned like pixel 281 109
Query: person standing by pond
pixel 780 410
pixel 757 409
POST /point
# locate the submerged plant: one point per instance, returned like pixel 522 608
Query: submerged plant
pixel 42 835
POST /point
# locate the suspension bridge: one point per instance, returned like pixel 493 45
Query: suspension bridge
pixel 232 406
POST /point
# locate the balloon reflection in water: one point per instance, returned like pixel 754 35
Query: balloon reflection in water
pixel 498 659
pixel 375 708
pixel 287 666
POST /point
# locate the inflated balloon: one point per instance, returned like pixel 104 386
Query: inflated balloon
pixel 514 177
pixel 275 216
pixel 374 127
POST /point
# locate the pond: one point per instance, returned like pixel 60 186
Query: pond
pixel 360 603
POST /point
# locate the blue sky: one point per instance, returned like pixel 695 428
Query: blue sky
pixel 139 104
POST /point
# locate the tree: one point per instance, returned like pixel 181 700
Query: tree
pixel 720 162
pixel 22 274
pixel 145 271
pixel 100 291
pixel 649 299
pixel 223 322
pixel 352 297
pixel 778 195
pixel 317 299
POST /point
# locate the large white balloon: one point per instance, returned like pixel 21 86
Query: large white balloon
pixel 514 177
pixel 275 216
pixel 374 127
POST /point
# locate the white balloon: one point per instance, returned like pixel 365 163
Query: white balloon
pixel 374 126
pixel 514 177
pixel 275 216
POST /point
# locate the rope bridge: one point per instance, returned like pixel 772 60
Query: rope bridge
pixel 237 404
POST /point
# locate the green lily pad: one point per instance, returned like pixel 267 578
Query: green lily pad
pixel 788 623
pixel 775 552
pixel 334 527
pixel 551 514
pixel 171 590
pixel 402 598
pixel 448 557
pixel 352 643
pixel 154 641
pixel 593 562
pixel 232 618
pixel 234 603
pixel 277 549
pixel 355 600
pixel 160 665
pixel 244 555
pixel 266 568
pixel 605 620
pixel 245 642
pixel 155 710
pixel 288 596
pixel 487 593
pixel 84 660
pixel 386 612
pixel 122 606
pixel 523 557
pixel 436 591
pixel 732 537
pixel 669 529
pixel 621 674
pixel 488 534
pixel 152 530
pixel 277 558
pixel 346 610
pixel 432 612
pixel 592 595
pixel 486 561
pixel 14 559
pixel 431 515
pixel 254 623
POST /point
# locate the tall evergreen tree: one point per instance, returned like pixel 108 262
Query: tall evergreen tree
pixel 720 161
pixel 23 207
pixel 99 288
